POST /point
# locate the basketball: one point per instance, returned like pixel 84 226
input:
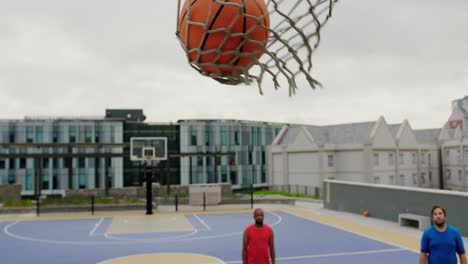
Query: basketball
pixel 222 30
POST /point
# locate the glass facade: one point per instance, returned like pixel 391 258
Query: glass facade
pixel 242 145
pixel 87 172
pixel 166 170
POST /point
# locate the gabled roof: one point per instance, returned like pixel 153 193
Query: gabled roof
pixel 342 134
pixel 427 136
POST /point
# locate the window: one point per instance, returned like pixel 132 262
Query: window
pixel 423 178
pixel 112 135
pixel 11 178
pixel 55 134
pixel 423 158
pixel 29 134
pixel 447 174
pixel 254 175
pixel 29 182
pixel 55 182
pixel 72 134
pixel 224 135
pixel 447 155
pixel 12 136
pixel 237 137
pixel 376 179
pixel 2 164
pixel 193 138
pixel 82 181
pixel 430 176
pixel 415 178
pixel 263 157
pixel 11 164
pixel 210 177
pixel 233 177
pixel 45 163
pixel 45 182
pixel 460 175
pixel 402 179
pixel 401 158
pixel 391 161
pixel 253 136
pixel 232 159
pixel 259 135
pixel 250 158
pixel 376 159
pixel 22 163
pixel 55 162
pixel 39 135
pixel 97 132
pixel 88 134
pixel 263 175
pixel 207 137
pixel 223 174
pixel 200 161
pixel 331 160
pixel 82 163
pixel 414 159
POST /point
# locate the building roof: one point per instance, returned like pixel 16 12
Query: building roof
pixel 342 134
pixel 129 115
pixel 292 133
pixel 427 136
pixel 394 128
pixel 230 121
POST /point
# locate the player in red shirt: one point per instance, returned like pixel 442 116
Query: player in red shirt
pixel 258 245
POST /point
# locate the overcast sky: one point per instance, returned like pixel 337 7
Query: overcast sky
pixel 401 59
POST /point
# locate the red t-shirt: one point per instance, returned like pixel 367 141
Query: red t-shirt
pixel 258 245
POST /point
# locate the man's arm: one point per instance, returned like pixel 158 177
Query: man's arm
pixel 424 248
pixel 272 248
pixel 244 248
pixel 462 258
pixel 423 258
pixel 460 248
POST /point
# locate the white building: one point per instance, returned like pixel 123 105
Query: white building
pixel 454 138
pixel 373 152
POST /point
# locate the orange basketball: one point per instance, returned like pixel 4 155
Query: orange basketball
pixel 225 18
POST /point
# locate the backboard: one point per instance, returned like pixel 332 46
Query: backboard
pixel 144 148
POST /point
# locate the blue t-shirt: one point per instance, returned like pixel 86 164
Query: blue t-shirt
pixel 442 246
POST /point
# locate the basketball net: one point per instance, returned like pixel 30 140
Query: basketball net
pixel 294 36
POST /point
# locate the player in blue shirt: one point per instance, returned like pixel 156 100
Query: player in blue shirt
pixel 441 243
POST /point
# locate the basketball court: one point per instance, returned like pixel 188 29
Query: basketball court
pixel 301 236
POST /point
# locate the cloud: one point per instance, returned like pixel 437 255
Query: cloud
pixel 401 59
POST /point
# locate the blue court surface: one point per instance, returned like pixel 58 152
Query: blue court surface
pixel 298 241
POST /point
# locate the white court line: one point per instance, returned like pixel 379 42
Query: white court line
pixel 220 261
pixel 280 219
pixel 92 243
pixel 202 222
pixel 150 239
pixel 352 253
pixel 356 233
pixel 96 226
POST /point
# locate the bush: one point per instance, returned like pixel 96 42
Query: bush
pixel 19 203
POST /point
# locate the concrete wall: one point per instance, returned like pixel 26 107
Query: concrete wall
pixel 386 202
pixel 10 192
